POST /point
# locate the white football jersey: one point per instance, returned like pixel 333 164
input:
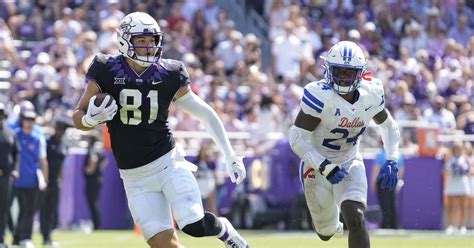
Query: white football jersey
pixel 336 136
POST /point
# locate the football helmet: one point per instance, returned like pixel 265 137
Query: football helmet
pixel 344 65
pixel 139 24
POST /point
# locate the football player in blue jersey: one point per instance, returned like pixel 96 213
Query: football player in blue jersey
pixel 334 112
pixel 157 179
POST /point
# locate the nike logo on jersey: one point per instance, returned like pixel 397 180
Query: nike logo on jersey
pixel 156 82
pixel 368 108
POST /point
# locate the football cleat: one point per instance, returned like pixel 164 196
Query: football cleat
pixel 231 237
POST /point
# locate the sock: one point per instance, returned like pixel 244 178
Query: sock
pixel 223 234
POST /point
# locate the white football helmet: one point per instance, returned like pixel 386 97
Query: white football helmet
pixel 344 65
pixel 134 24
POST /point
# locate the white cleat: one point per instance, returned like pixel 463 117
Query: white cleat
pixel 450 230
pixel 231 237
pixel 27 244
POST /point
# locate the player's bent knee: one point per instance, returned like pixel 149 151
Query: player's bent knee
pixel 353 214
pixel 164 239
pixel 207 226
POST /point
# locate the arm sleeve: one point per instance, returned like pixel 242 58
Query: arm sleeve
pixel 303 148
pixel 195 106
pixel 390 137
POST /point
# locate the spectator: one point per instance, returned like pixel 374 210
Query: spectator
pixel 454 12
pixel 7 49
pixel 457 190
pixel 465 120
pixel 68 27
pixel 415 39
pixel 205 177
pixel 440 116
pixel 452 71
pixel 230 52
pixel 56 153
pixel 33 175
pixel 278 16
pixel 42 71
pixel 93 165
pixel 470 160
pixel 461 32
pixel 112 11
pixel 386 198
pixel 287 53
pixel 210 12
pixel 106 42
pixel 205 45
pixel 7 156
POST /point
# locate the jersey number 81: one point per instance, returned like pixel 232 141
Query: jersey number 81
pixel 134 106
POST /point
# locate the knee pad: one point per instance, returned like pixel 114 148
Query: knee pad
pixel 353 214
pixel 209 225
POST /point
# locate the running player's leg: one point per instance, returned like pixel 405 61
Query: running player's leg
pixel 351 195
pixel 164 239
pixel 182 193
pixel 319 198
pixel 152 214
pixel 150 209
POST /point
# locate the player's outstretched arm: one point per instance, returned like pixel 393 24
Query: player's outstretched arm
pixel 189 102
pixel 391 139
pixel 86 115
pixel 298 138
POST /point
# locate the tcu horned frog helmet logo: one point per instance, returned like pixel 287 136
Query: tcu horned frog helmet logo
pixel 139 24
pixel 345 66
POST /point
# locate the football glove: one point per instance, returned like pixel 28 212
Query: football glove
pixel 333 172
pixel 389 175
pixel 96 115
pixel 236 169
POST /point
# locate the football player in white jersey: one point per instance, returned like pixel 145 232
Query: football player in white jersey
pixel 334 113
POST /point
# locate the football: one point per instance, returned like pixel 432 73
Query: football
pixel 100 98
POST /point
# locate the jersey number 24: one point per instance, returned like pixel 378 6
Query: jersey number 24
pixel 345 133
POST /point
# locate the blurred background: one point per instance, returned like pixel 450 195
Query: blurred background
pixel 250 60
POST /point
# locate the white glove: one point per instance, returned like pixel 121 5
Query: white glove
pixel 234 166
pixel 96 115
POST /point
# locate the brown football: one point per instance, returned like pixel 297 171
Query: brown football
pixel 100 98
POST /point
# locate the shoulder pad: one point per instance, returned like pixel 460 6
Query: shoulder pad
pixel 375 92
pixel 103 58
pixel 373 87
pixel 320 88
pixel 171 64
pixel 316 95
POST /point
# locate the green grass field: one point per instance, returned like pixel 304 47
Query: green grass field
pixel 266 239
